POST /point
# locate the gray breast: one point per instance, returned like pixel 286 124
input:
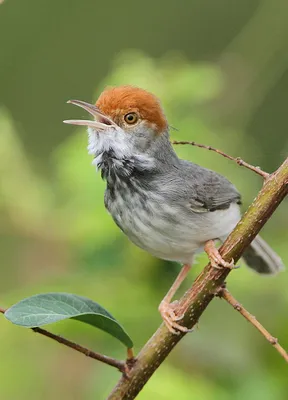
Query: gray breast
pixel 128 203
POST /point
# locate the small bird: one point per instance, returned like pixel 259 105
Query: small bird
pixel 167 206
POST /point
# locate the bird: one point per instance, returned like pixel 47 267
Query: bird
pixel 169 207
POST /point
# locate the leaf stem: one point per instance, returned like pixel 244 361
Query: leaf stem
pixel 226 295
pixel 238 160
pixel 120 365
pixel 130 354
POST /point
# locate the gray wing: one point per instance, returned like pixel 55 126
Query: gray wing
pixel 207 190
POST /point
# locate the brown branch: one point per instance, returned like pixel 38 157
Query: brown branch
pixel 89 353
pixel 238 160
pixel 205 287
pixel 226 295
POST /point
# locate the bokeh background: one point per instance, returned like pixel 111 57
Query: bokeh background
pixel 220 68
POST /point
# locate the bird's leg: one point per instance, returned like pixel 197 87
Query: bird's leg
pixel 215 258
pixel 167 309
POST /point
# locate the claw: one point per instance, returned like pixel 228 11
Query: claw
pixel 167 311
pixel 219 263
pixel 215 258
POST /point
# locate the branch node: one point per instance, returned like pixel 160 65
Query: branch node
pixel 128 367
pixel 237 306
pixel 130 362
pixel 273 340
pixel 219 290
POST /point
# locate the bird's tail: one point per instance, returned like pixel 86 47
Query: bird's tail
pixel 261 258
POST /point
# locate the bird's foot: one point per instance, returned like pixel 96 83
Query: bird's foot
pixel 167 311
pixel 215 258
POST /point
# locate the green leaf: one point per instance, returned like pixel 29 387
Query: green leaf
pixel 43 309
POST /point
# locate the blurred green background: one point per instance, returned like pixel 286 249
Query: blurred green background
pixel 220 68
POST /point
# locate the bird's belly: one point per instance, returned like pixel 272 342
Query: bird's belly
pixel 167 231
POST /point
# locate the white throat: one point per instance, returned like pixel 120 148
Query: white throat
pixel 115 140
pixel 111 139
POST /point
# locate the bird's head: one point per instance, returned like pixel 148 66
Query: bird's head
pixel 128 121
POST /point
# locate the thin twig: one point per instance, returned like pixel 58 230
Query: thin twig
pixel 89 353
pixel 238 160
pixel 226 295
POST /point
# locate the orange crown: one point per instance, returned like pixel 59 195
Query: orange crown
pixel 116 102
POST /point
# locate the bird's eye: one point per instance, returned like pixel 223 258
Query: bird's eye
pixel 131 118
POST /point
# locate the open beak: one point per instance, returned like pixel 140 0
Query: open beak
pixel 102 122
